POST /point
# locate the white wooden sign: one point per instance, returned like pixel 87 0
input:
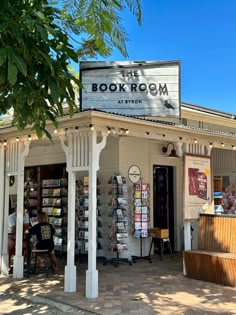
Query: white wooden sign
pixel 132 88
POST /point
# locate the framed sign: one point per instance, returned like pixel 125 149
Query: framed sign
pixel 197 186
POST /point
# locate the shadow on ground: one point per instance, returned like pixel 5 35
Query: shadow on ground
pixel 143 288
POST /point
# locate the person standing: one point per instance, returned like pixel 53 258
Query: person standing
pixel 12 232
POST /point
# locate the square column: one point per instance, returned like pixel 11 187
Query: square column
pixel 70 268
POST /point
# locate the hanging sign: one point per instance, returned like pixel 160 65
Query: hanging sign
pixel 131 88
pixel 134 174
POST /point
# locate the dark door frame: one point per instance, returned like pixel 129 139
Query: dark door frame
pixel 163 199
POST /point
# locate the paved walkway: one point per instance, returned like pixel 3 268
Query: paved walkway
pixel 141 289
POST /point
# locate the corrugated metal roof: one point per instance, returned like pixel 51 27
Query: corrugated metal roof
pixel 181 126
pixel 208 110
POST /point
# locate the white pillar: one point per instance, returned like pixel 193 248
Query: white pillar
pixel 92 273
pixel 2 185
pixel 187 239
pixel 70 268
pixel 18 265
pixel 5 257
pixel 5 210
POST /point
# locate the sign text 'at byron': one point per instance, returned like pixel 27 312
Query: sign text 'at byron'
pixel 143 89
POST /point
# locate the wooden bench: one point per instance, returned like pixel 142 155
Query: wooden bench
pixel 215 258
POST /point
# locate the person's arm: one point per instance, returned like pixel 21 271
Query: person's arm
pixel 26 222
pixel 32 230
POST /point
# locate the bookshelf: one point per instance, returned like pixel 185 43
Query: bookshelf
pixel 54 203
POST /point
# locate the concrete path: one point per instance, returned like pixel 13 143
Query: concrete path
pixel 141 289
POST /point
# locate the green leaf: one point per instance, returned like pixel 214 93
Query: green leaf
pixel 20 64
pixel 12 72
pixel 3 56
pixel 54 91
pixel 13 57
pixel 30 99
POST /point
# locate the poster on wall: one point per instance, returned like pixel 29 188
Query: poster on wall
pixel 197 186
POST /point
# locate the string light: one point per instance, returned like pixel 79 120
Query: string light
pixel 195 141
pixel 222 144
pixel 108 130
pixel 211 145
pixel 126 131
pixel 55 131
pixel 233 146
pixel 17 139
pixel 76 128
pixel 91 127
pixel 29 137
pixel 5 142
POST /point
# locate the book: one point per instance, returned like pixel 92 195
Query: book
pixel 145 186
pixel 138 202
pixel 144 210
pixel 137 194
pixel 144 217
pixel 119 179
pixel 137 233
pixel 137 225
pixel 86 180
pixel 144 233
pixel 144 194
pixel 56 211
pixel 144 225
pixel 137 210
pixel 137 217
pixel 119 213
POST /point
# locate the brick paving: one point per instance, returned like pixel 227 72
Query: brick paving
pixel 141 289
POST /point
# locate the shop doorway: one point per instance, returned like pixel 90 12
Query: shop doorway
pixel 163 199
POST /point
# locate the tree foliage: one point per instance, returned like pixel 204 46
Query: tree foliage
pixel 38 40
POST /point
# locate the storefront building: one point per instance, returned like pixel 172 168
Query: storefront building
pixel 97 146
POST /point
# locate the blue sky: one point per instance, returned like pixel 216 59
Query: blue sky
pixel 199 33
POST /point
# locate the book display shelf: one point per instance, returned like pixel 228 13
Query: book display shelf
pixel 82 216
pixel 54 203
pixel 82 213
pixel 45 189
pixel 141 216
pixel 120 222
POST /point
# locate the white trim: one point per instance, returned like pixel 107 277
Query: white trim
pixel 2 178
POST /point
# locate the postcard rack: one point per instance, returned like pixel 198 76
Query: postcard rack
pixel 141 216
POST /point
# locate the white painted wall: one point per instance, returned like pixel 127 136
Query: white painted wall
pixel 45 152
pixel 118 156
